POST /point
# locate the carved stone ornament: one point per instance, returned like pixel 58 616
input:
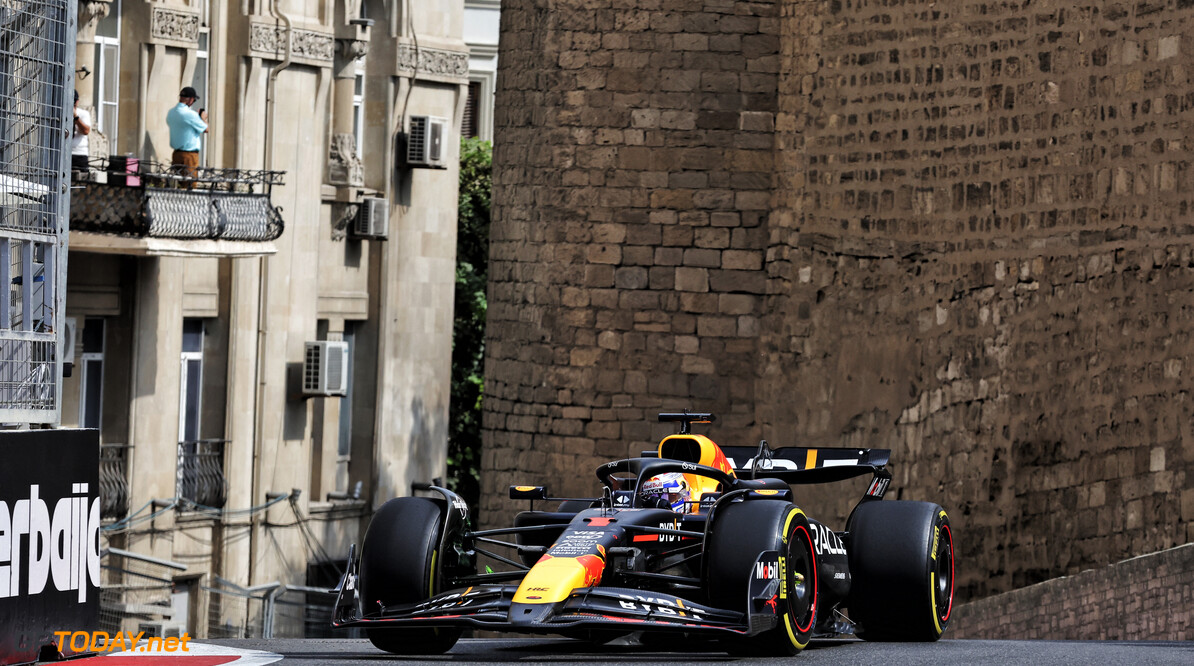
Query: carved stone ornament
pixel 312 45
pixel 175 26
pixel 439 63
pixel 348 213
pixel 91 12
pixel 353 49
pixel 266 39
pixel 344 165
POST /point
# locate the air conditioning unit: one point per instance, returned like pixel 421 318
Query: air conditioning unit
pixel 69 335
pixel 325 368
pixel 425 142
pixel 373 218
pixel 162 629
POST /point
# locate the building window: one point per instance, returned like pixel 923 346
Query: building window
pixel 358 107
pixel 470 126
pixel 199 80
pixel 107 73
pixel 190 397
pixel 91 380
pixel 344 447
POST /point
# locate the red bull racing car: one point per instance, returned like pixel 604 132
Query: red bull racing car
pixel 690 538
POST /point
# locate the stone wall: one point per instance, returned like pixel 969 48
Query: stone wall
pixel 981 259
pixel 976 252
pixel 1146 598
pixel 634 153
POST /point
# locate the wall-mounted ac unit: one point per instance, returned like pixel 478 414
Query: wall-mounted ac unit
pixel 425 138
pixel 373 218
pixel 165 629
pixel 325 368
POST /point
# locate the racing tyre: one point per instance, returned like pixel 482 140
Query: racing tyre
pixel 399 566
pixel 902 563
pixel 742 530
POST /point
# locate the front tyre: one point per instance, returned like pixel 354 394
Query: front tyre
pixel 902 563
pixel 743 530
pixel 400 565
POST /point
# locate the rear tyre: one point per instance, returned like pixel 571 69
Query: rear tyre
pixel 400 565
pixel 739 533
pixel 902 564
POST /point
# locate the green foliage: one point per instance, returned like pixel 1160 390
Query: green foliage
pixel 468 335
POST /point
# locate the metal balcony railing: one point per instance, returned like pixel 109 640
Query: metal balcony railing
pixel 201 478
pixel 114 481
pixel 125 197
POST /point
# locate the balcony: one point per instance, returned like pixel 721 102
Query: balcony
pixel 200 473
pixel 114 482
pixel 124 206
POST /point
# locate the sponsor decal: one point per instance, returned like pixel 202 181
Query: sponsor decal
pixel 669 538
pixel 838 575
pixel 878 487
pixel 576 542
pixel 936 540
pixel 460 505
pixel 764 463
pixel 448 601
pixel 766 492
pixel 63 552
pixel 660 605
pixel 524 489
pixel 772 605
pixel 826 542
pixel 767 571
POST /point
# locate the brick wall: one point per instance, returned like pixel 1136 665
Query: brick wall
pixel 1146 598
pixel 958 230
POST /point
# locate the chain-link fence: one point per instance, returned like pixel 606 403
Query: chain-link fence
pixel 37 59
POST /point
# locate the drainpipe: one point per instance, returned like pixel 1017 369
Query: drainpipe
pixel 271 84
pixel 263 275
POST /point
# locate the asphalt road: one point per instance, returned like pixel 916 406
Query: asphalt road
pixel 353 652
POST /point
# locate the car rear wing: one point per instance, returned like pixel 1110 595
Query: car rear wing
pixel 807 465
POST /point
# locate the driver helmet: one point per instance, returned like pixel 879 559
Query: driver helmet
pixel 671 487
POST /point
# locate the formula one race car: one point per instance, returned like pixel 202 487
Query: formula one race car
pixel 689 539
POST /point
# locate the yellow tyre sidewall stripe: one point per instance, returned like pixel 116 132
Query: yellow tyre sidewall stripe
pixel 788 615
pixel 933 576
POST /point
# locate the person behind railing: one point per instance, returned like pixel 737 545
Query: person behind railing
pixel 186 127
pixel 78 139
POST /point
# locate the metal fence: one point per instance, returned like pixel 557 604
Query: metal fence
pixel 136 590
pixel 144 199
pixel 37 59
pixel 270 611
pixel 200 473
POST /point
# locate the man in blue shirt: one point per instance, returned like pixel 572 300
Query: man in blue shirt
pixel 186 126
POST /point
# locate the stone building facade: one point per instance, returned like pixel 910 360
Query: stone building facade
pixel 957 230
pixel 190 352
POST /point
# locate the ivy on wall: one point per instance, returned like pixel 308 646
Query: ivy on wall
pixel 468 336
